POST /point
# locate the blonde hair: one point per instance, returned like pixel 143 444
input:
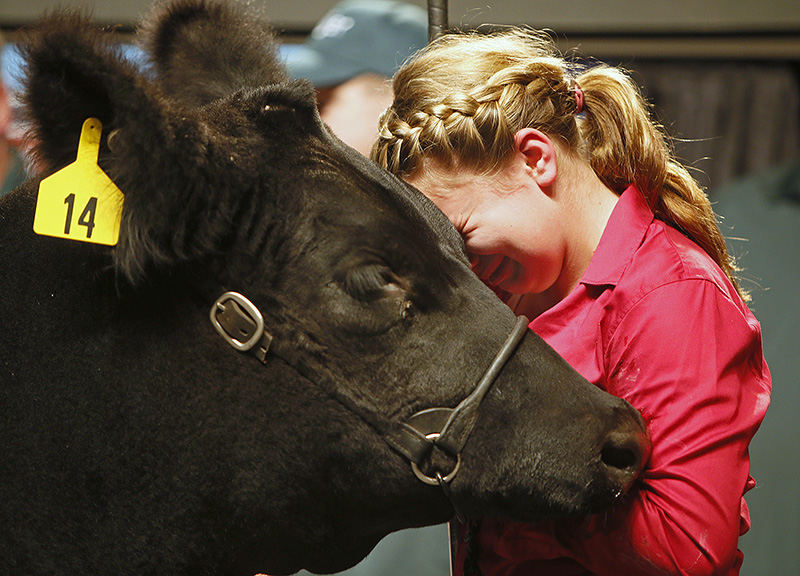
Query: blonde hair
pixel 461 99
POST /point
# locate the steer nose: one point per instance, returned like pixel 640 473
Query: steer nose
pixel 625 451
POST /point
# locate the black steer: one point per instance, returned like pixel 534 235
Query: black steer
pixel 137 440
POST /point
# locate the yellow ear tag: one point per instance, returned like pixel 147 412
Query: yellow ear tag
pixel 80 202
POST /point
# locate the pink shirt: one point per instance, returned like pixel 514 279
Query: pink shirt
pixel 654 321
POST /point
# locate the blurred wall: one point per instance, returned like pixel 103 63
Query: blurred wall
pixel 572 15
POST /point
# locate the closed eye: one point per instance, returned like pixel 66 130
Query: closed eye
pixel 370 282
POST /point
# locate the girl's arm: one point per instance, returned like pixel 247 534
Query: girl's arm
pixel 690 359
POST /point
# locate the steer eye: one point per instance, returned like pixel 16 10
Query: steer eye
pixel 371 282
pixel 368 299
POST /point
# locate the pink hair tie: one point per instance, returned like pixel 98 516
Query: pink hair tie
pixel 578 99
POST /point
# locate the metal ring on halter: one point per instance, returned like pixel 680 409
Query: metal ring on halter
pixel 439 478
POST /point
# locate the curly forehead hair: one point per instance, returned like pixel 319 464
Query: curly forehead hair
pixel 464 96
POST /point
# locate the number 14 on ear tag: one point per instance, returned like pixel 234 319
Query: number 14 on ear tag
pixel 80 202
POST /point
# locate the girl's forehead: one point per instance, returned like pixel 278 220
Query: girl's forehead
pixel 447 184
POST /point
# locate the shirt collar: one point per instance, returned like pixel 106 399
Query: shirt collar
pixel 621 238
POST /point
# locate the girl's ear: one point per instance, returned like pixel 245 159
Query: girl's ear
pixel 540 155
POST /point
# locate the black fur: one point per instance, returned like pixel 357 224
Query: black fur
pixel 191 34
pixel 136 441
pixel 163 141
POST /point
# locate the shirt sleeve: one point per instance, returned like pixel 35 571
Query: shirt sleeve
pixel 690 360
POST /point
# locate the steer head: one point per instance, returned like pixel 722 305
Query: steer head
pixel 231 182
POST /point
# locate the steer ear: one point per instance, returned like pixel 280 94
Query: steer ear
pixel 72 72
pixel 203 50
pixel 154 149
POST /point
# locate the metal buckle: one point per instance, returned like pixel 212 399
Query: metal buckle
pixel 250 312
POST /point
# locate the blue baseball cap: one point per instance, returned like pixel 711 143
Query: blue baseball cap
pixel 356 37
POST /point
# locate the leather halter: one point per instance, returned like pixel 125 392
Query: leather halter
pixel 241 324
pixel 450 428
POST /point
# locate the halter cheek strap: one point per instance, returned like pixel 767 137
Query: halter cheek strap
pixel 241 324
pixel 450 428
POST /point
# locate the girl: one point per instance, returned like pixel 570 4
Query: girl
pixel 574 210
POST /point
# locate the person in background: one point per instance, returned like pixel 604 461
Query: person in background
pixel 12 170
pixel 574 209
pixel 349 58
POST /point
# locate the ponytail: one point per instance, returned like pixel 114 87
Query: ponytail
pixel 625 146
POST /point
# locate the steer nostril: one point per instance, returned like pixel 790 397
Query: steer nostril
pixel 620 457
pixel 625 453
pixel 626 448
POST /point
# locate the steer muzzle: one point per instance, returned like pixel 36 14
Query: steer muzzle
pixel 623 455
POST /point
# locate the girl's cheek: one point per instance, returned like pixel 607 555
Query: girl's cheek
pixel 484 266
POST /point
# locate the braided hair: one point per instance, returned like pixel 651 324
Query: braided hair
pixel 460 100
